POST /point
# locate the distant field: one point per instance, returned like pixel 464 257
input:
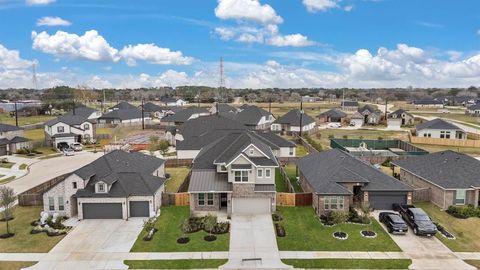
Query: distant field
pixel 5 118
pixel 455 116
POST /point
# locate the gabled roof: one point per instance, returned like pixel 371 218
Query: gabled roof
pixel 123 114
pixel 357 115
pixel 152 107
pixel 128 173
pixel 166 99
pixel 7 128
pixel 82 111
pixel 326 170
pixel 71 120
pixel 447 169
pixel 275 139
pixel 225 108
pixel 251 115
pixel 367 109
pixel 437 123
pixel 398 113
pixel 336 113
pixel 293 118
pixel 349 103
pixel 200 126
pixel 244 106
pixel 184 115
pixel 474 107
pixel 123 105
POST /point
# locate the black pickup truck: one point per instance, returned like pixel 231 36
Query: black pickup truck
pixel 418 220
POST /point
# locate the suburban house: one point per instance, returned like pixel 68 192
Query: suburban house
pixel 372 115
pixel 197 133
pixel 255 118
pixel 451 178
pixel 429 103
pixel 338 181
pixel 473 110
pixel 349 105
pixel 156 111
pixel 12 140
pixel 224 109
pixel 123 105
pixel 399 118
pixel 69 129
pixel 235 174
pixel 184 115
pixel 291 121
pixel 440 129
pixel 357 119
pixel 121 116
pixel 173 102
pixel 332 116
pixel 117 185
pixel 86 112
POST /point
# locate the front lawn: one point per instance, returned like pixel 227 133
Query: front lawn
pixel 177 175
pixel 165 239
pixel 175 264
pixel 35 135
pixel 475 263
pixel 280 185
pixel 304 232
pixel 11 265
pixel 301 151
pixel 6 165
pixel 465 230
pixel 349 263
pixel 23 241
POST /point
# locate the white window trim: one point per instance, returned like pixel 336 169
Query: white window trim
pixel 210 200
pixel 51 202
pixel 260 173
pixel 62 204
pixel 204 199
pixel 464 197
pixel 337 203
pixel 269 173
pixel 104 187
pixel 241 176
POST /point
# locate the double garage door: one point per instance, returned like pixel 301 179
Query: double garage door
pixel 114 210
pixel 384 200
pixel 249 206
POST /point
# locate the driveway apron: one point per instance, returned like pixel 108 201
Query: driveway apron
pixel 253 244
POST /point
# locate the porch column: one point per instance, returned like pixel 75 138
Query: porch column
pixel 365 197
pixel 409 197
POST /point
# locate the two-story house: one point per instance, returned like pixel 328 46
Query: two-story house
pixel 235 174
pixel 69 129
pixel 86 112
pixel 117 185
pixel 12 140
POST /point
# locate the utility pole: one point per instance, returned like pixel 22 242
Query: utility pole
pixel 301 117
pixel 386 112
pixel 343 99
pixel 143 118
pixel 73 106
pixel 16 114
pixel 103 104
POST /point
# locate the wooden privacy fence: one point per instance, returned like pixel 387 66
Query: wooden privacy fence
pixel 172 163
pixel 445 142
pixel 186 181
pixel 286 179
pixel 421 195
pixel 177 199
pixel 34 196
pixel 294 199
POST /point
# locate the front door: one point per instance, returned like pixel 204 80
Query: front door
pixel 223 200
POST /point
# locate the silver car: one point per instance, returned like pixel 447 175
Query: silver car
pixel 76 146
pixel 68 152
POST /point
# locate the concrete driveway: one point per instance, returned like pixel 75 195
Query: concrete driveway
pixel 93 244
pixel 427 252
pixel 253 244
pixel 46 169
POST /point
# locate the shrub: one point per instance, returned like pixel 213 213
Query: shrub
pixel 462 212
pixel 221 228
pixel 387 162
pixel 280 230
pixel 331 136
pixel 277 216
pixel 209 222
pixel 337 217
pixel 345 137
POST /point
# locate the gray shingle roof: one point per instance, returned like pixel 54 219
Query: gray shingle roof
pixel 293 118
pixel 437 123
pixel 123 114
pixel 7 128
pixel 152 107
pixel 357 115
pixel 71 120
pixel 82 111
pixel 129 174
pixel 204 124
pixel 427 102
pixel 367 109
pixel 474 107
pixel 208 181
pixel 123 105
pixel 398 113
pixel 336 113
pixel 184 115
pixel 349 103
pixel 326 170
pixel 251 115
pixel 448 169
pixel 275 139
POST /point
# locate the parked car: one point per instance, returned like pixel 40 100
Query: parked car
pixel 394 222
pixel 62 145
pixel 334 125
pixel 68 152
pixel 352 124
pixel 76 146
pixel 418 220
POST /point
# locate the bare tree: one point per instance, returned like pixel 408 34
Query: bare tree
pixel 7 201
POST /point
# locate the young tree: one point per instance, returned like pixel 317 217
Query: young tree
pixel 163 146
pixel 7 200
pixel 209 223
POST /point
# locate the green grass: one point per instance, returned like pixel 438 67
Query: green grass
pixel 35 134
pixel 177 175
pixel 105 130
pixel 475 151
pixel 165 239
pixel 465 230
pixel 475 263
pixel 301 151
pixel 23 241
pixel 280 185
pixel 291 171
pixel 13 265
pixel 8 179
pixel 7 165
pixel 23 166
pixel 349 263
pixel 306 233
pixel 455 116
pixel 5 118
pixel 175 264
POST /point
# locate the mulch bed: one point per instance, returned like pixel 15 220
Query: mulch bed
pixel 280 230
pixel 340 235
pixel 6 235
pixel 368 234
pixel 210 238
pixel 3 219
pixel 183 240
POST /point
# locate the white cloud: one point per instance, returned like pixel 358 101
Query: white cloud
pixel 248 10
pixel 224 33
pixel 153 54
pixel 89 46
pixel 295 40
pixel 39 2
pixel 320 5
pixel 52 21
pixel 348 8
pixel 10 59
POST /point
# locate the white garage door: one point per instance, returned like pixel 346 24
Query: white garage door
pixel 251 206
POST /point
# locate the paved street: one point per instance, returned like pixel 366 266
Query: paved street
pixel 46 169
pixel 253 244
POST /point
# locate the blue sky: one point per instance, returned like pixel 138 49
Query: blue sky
pixel 295 43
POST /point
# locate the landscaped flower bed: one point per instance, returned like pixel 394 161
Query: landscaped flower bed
pixel 368 234
pixel 52 226
pixel 280 230
pixel 444 232
pixel 340 235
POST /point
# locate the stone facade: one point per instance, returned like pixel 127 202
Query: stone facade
pixel 195 207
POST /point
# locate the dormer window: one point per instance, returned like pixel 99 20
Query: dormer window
pixel 86 127
pixel 60 129
pixel 250 152
pixel 101 187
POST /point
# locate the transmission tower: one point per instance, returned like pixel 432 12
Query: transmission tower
pixel 34 76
